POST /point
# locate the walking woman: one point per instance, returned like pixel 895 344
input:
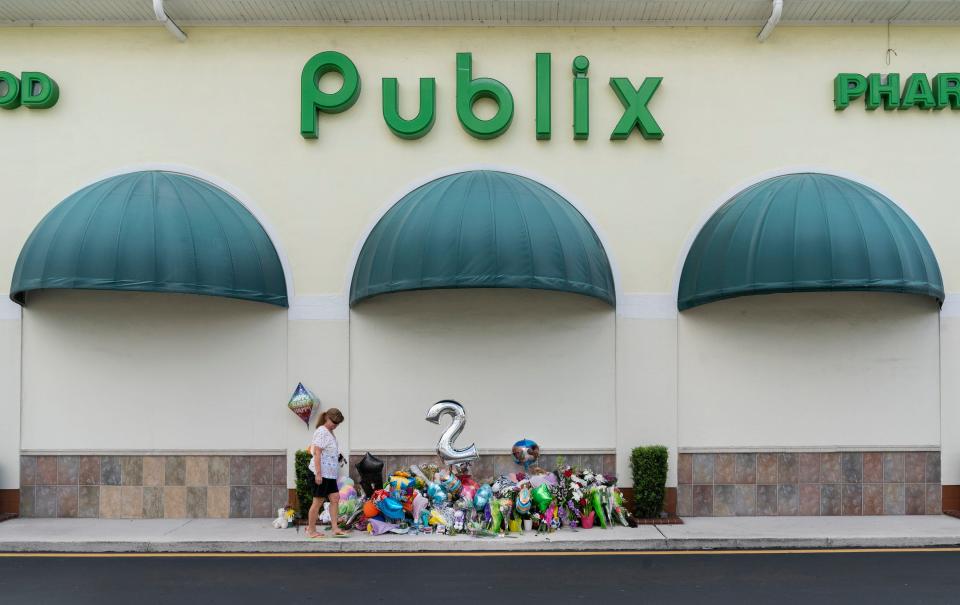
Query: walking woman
pixel 324 461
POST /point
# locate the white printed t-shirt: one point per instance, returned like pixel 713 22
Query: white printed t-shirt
pixel 324 440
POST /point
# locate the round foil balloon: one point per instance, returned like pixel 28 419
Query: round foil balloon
pixel 370 509
pixel 401 482
pixel 524 500
pixel 347 492
pixel 526 452
pixel 436 494
pixel 391 508
pixel 448 453
pixel 468 491
pixel 452 485
pixel 483 496
pixel 470 487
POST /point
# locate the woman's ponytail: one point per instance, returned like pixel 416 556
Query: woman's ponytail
pixel 322 420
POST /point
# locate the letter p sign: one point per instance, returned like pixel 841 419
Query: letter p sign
pixel 33 90
pixel 313 100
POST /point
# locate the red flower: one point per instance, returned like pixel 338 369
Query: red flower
pixel 568 473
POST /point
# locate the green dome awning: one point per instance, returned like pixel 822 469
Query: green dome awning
pixel 808 232
pixel 152 232
pixel 483 229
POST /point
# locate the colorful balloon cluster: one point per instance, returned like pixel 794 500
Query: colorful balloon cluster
pixel 429 499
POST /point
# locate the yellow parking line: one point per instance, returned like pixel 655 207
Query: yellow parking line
pixel 621 553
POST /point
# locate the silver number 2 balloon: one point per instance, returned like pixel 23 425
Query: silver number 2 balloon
pixel 445 449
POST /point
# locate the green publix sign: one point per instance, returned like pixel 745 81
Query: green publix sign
pixel 32 89
pixel 37 90
pixel 313 101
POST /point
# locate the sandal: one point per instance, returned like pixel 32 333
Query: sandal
pixel 343 535
pixel 315 536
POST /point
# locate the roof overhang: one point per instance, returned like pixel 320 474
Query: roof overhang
pixel 480 12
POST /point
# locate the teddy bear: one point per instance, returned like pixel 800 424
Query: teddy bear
pixel 284 517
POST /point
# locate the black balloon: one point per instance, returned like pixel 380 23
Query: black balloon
pixel 369 464
pixel 370 469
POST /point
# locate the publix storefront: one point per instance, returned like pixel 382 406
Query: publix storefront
pixel 595 226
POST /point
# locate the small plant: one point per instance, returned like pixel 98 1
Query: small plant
pixel 649 465
pixel 304 489
pixel 561 462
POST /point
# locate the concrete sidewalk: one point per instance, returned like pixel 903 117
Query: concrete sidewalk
pixel 257 535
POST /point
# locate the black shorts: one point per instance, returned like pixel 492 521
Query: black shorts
pixel 324 489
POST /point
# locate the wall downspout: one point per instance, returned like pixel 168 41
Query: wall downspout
pixel 775 12
pixel 162 17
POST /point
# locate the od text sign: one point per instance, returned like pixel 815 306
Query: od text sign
pixel 32 89
pixel 635 100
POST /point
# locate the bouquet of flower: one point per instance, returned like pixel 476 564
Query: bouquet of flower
pixel 571 493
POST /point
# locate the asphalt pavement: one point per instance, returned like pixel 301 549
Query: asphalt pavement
pixel 464 578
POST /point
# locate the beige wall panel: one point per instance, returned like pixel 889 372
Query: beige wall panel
pixel 950 403
pixel 9 403
pixel 795 370
pixel 646 390
pixel 319 355
pixel 112 370
pixel 226 103
pixel 523 363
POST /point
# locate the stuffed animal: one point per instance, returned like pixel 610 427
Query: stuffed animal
pixel 284 517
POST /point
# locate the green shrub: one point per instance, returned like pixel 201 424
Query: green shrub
pixel 649 466
pixel 304 489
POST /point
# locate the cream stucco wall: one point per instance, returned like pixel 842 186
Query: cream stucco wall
pixel 109 370
pixel 121 371
pixel 318 356
pixel 9 399
pixel 800 370
pixel 523 363
pixel 950 398
pixel 646 390
pixel 225 104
